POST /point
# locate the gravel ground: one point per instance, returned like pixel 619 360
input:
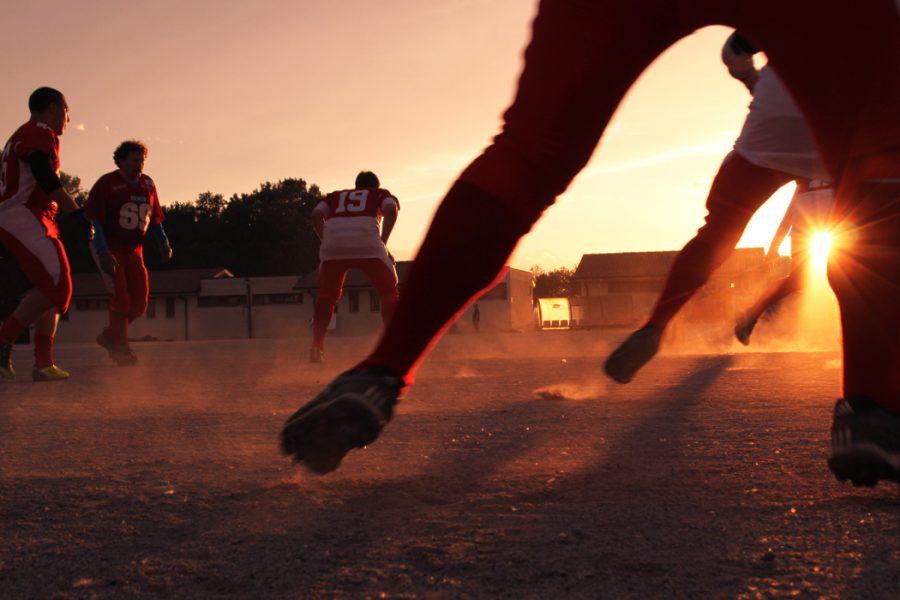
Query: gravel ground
pixel 512 470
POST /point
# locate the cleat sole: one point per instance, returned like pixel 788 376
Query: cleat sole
pixel 635 352
pixel 320 437
pixel 863 467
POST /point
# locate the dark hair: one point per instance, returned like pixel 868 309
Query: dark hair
pixel 367 179
pixel 129 147
pixel 43 97
pixel 741 45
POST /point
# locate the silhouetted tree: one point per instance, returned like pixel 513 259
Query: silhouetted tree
pixel 265 232
pixel 72 184
pixel 270 229
pixel 210 205
pixel 552 284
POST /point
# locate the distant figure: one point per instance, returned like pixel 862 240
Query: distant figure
pixel 347 222
pixel 476 317
pixel 774 148
pixel 809 212
pixel 124 206
pixel 838 59
pixel 30 195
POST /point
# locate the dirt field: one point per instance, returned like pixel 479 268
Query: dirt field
pixel 513 469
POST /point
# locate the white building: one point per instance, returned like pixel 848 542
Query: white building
pixel 208 304
pixel 620 290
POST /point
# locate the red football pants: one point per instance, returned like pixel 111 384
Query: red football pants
pixel 864 272
pixel 583 57
pixel 333 273
pixel 33 238
pixel 131 289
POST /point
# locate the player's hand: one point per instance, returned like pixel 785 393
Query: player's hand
pixel 108 262
pixel 83 222
pixel 165 252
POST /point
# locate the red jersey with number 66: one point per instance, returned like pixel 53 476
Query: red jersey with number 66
pixel 352 220
pixel 125 209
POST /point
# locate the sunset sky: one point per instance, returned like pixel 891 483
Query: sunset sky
pixel 230 94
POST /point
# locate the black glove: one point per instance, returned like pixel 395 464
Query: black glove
pixel 83 222
pixel 108 262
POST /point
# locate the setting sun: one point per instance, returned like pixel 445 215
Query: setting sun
pixel 819 249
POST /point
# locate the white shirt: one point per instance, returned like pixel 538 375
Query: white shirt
pixel 775 134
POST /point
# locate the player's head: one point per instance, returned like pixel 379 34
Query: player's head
pixel 741 45
pixel 367 179
pixel 129 157
pixel 49 106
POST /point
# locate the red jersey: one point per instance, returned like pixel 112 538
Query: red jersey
pixel 364 202
pixel 17 184
pixel 124 209
pixel 352 219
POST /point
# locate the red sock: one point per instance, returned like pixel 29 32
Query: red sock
pixel 11 330
pixel 118 328
pixel 43 350
pixel 466 249
pixel 321 319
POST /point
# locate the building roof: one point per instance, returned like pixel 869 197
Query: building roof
pixel 170 281
pixel 655 264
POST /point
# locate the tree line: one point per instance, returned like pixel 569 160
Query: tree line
pixel 553 284
pixel 265 232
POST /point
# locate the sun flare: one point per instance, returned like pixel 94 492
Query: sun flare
pixel 820 246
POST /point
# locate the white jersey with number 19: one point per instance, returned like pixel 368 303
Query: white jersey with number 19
pixel 352 224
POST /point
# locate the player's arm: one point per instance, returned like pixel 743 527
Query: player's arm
pixel 162 240
pixel 46 177
pixel 156 228
pixel 783 229
pixel 737 54
pixel 319 212
pixel 105 260
pixel 99 241
pixel 389 210
pixel 94 211
pixel 48 180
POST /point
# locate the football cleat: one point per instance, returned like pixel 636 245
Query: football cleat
pixel 634 353
pixel 106 342
pixel 6 368
pixel 125 357
pixel 121 355
pixel 743 328
pixel 316 355
pixel 50 373
pixel 865 442
pixel 349 413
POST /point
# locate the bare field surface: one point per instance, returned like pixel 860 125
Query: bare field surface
pixel 513 469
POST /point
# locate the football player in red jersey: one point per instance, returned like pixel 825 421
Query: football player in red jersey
pixel 347 222
pixel 124 207
pixel 30 195
pixel 839 60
